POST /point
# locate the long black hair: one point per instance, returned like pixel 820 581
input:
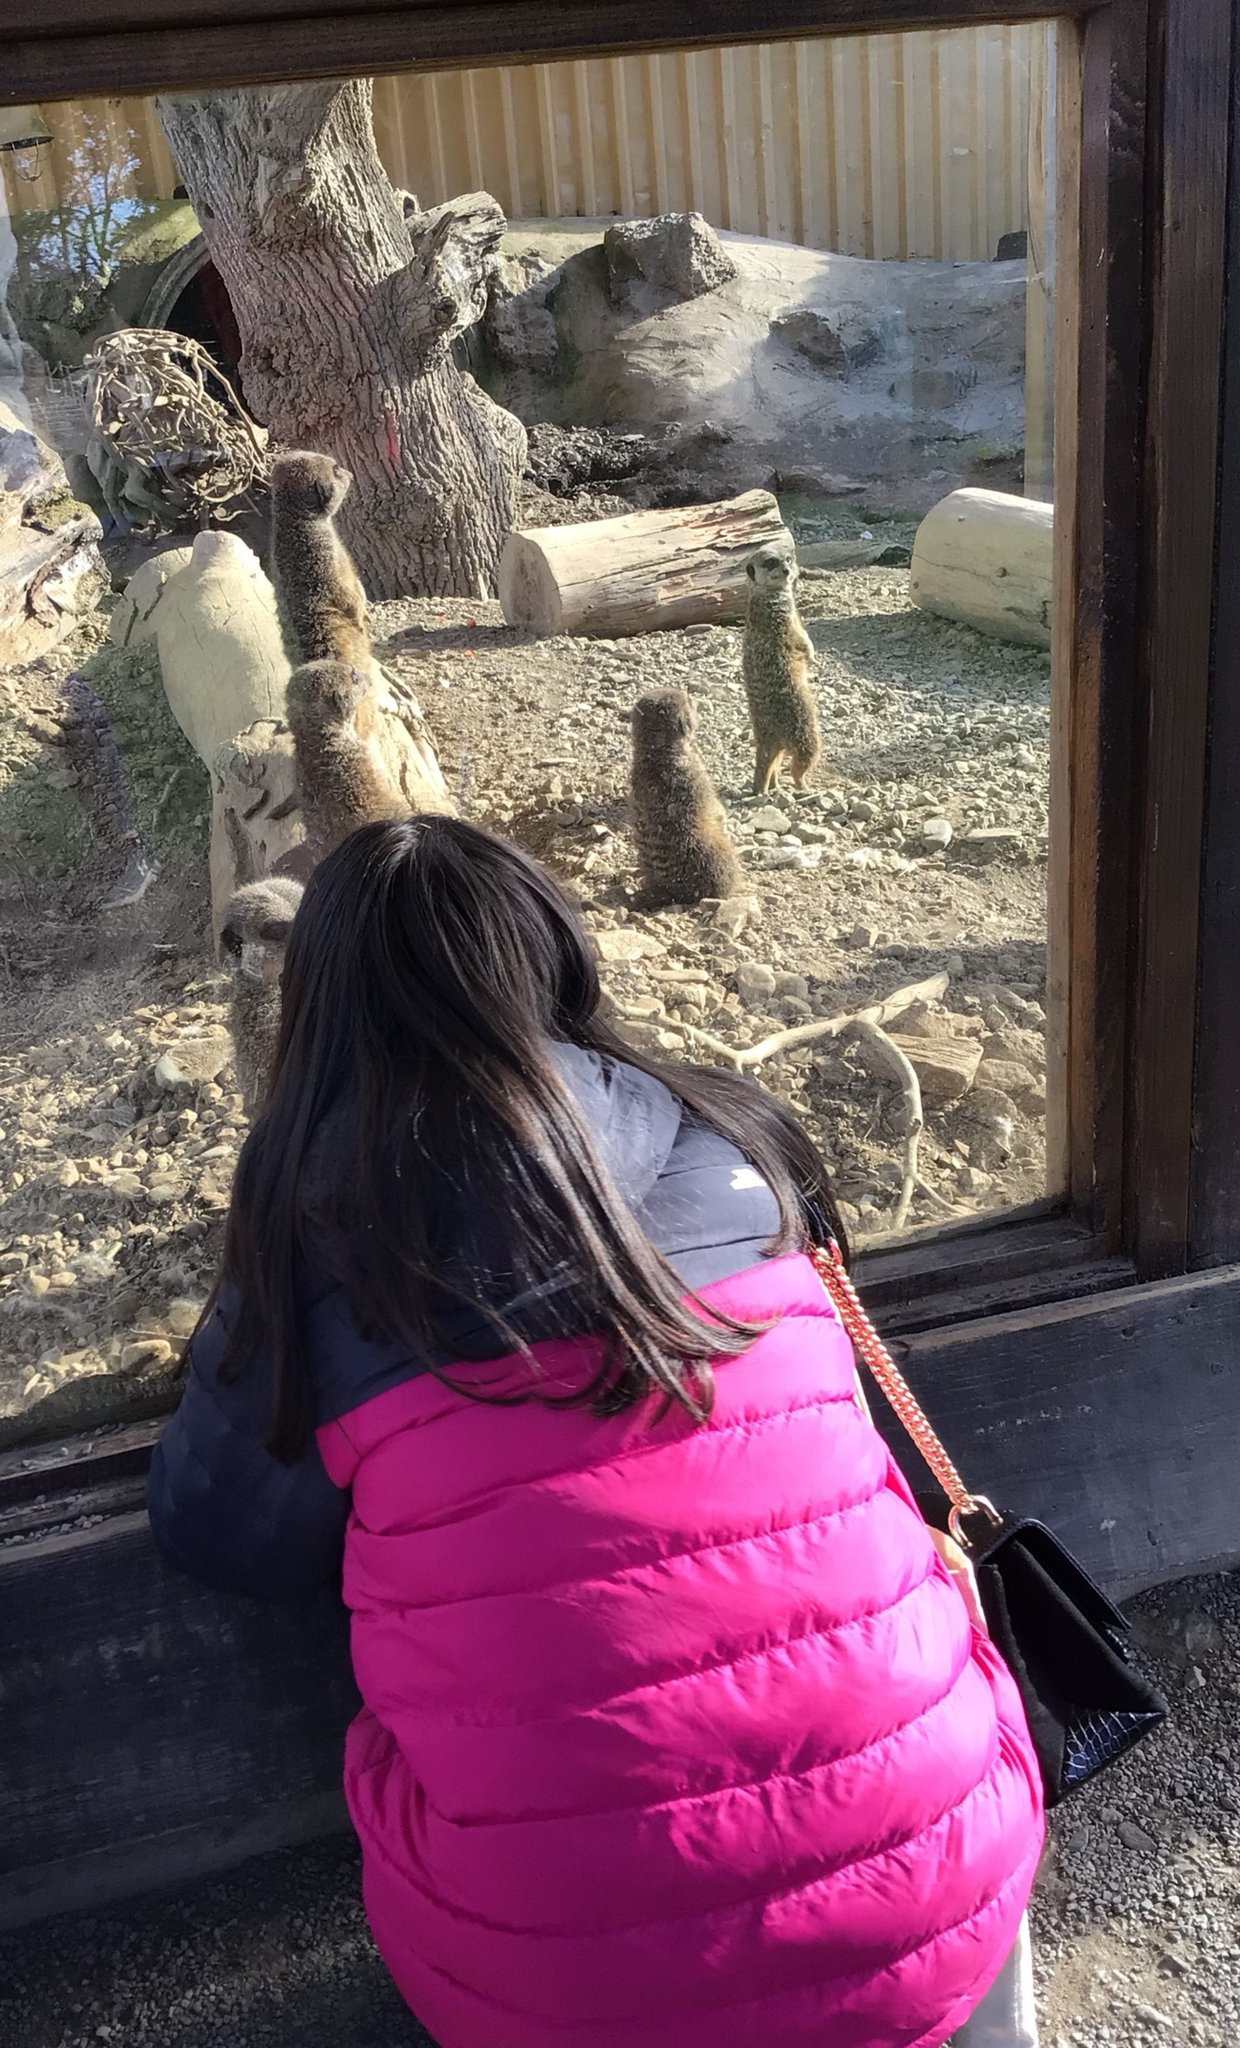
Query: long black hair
pixel 429 969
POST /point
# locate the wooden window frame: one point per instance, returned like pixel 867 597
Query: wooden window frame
pixel 1078 1356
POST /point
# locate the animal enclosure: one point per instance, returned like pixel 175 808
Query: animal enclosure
pixel 645 407
pixel 891 146
pixel 1106 1405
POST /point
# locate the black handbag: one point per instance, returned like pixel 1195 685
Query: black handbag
pixel 1067 1646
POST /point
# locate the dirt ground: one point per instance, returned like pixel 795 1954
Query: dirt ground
pixel 114 1185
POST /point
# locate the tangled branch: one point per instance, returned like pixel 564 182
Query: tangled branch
pixel 858 1027
pixel 163 414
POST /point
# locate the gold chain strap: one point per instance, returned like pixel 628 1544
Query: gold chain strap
pixel 908 1410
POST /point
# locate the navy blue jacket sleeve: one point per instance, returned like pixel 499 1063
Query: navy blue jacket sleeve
pixel 222 1508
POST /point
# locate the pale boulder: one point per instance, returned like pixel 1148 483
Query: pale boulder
pixel 220 650
pixel 134 617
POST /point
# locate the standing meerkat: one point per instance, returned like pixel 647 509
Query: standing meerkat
pixel 679 828
pixel 323 610
pixel 777 666
pixel 340 779
pixel 257 923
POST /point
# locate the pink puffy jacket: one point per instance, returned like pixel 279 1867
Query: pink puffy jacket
pixel 674 1737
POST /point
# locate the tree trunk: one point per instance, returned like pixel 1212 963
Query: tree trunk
pixel 347 301
pixel 640 573
pixel 985 557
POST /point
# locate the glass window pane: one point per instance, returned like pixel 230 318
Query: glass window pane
pixel 845 305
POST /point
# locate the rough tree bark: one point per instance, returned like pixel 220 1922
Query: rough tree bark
pixel 347 299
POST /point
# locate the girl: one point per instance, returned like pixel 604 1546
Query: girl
pixel 676 1731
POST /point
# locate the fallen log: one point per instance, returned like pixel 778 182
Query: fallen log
pixel 984 558
pixel 256 822
pixel 46 580
pixel 50 568
pixel 257 827
pixel 641 573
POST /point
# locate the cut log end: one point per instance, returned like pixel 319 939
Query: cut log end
pixel 985 558
pixel 528 593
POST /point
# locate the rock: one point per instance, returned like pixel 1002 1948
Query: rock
pixel 937 832
pixel 769 819
pixel 1134 1837
pixel 93 1267
pixel 993 842
pixel 622 945
pixel 37 1285
pixel 918 1021
pixel 735 398
pixel 848 337
pixel 134 616
pixel 14 1262
pixel 733 914
pixel 520 329
pixel 788 855
pixel 653 1038
pixel 640 1009
pixel 972 1181
pixel 144 1354
pixel 939 388
pixel 754 984
pixel 945 1067
pixel 989 1118
pixel 998 1047
pixel 1203 1638
pixel 678 252
pixel 193 1061
pixel 221 653
pixel 792 985
pixel 1011 1079
pixel 863 936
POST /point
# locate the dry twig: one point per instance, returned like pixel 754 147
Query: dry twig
pixel 863 1027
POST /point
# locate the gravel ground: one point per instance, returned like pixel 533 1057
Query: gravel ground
pixel 1137 1924
pixel 113 1181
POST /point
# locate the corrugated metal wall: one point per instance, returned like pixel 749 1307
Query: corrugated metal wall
pixel 889 145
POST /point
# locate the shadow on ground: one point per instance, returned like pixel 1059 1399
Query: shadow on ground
pixel 274 1955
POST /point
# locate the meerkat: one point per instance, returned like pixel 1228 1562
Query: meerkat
pixel 256 928
pixel 777 664
pixel 679 828
pixel 323 610
pixel 340 780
